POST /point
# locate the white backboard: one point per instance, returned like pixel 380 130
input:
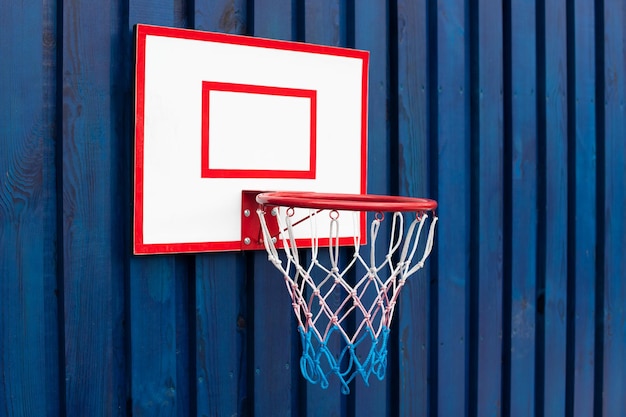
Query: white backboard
pixel 216 114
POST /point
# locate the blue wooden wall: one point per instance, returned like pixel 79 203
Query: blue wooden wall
pixel 510 113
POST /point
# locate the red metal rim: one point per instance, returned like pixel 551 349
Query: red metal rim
pixel 353 202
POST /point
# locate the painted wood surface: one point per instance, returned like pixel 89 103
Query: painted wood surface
pixel 452 151
pixel 487 210
pixel 371 34
pixel 583 197
pixel 29 362
pixel 153 285
pixel 522 233
pixel 613 242
pixel 219 306
pixel 553 214
pixel 409 118
pixel 326 23
pixel 275 388
pixel 92 249
pixel 511 115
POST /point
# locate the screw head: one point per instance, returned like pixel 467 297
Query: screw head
pixel 247 241
pixel 246 213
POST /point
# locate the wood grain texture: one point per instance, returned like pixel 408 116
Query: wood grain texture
pixel 29 355
pixel 453 144
pixel 325 23
pixel 92 253
pixel 585 207
pixel 469 100
pixel 222 318
pixel 614 204
pixel 274 19
pixel 556 200
pixel 488 251
pixel 154 349
pixel 413 179
pixel 221 335
pixel 155 286
pixel 275 367
pixel 524 207
pixel 227 16
pixel 371 34
pixel 54 338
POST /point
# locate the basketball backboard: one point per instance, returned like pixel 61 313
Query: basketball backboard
pixel 219 114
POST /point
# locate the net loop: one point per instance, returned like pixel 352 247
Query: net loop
pixel 344 305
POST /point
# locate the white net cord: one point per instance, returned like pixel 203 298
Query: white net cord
pixel 344 312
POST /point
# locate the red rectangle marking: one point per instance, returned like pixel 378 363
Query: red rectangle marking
pixel 209 172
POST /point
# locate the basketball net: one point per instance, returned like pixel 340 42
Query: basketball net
pixel 344 313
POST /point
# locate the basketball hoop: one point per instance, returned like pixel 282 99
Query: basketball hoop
pixel 344 312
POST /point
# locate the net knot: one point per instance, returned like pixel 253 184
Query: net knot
pixel 321 293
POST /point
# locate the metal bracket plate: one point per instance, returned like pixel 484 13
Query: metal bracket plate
pixel 251 235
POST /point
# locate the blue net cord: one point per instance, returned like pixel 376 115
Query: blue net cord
pixel 323 299
pixel 318 362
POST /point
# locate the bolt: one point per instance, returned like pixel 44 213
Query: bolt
pixel 246 213
pixel 246 241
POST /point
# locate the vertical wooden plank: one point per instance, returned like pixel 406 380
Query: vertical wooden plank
pixel 274 336
pixel 184 333
pixel 153 354
pixel 227 16
pixel 371 34
pixel 53 320
pixel 585 207
pixel 274 19
pixel 221 327
pixel 274 330
pixel 325 24
pixel 413 175
pixel 222 317
pixel 93 240
pixel 614 384
pixel 556 199
pixel 454 198
pixel 154 286
pixel 523 233
pixel 489 213
pixel 28 311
